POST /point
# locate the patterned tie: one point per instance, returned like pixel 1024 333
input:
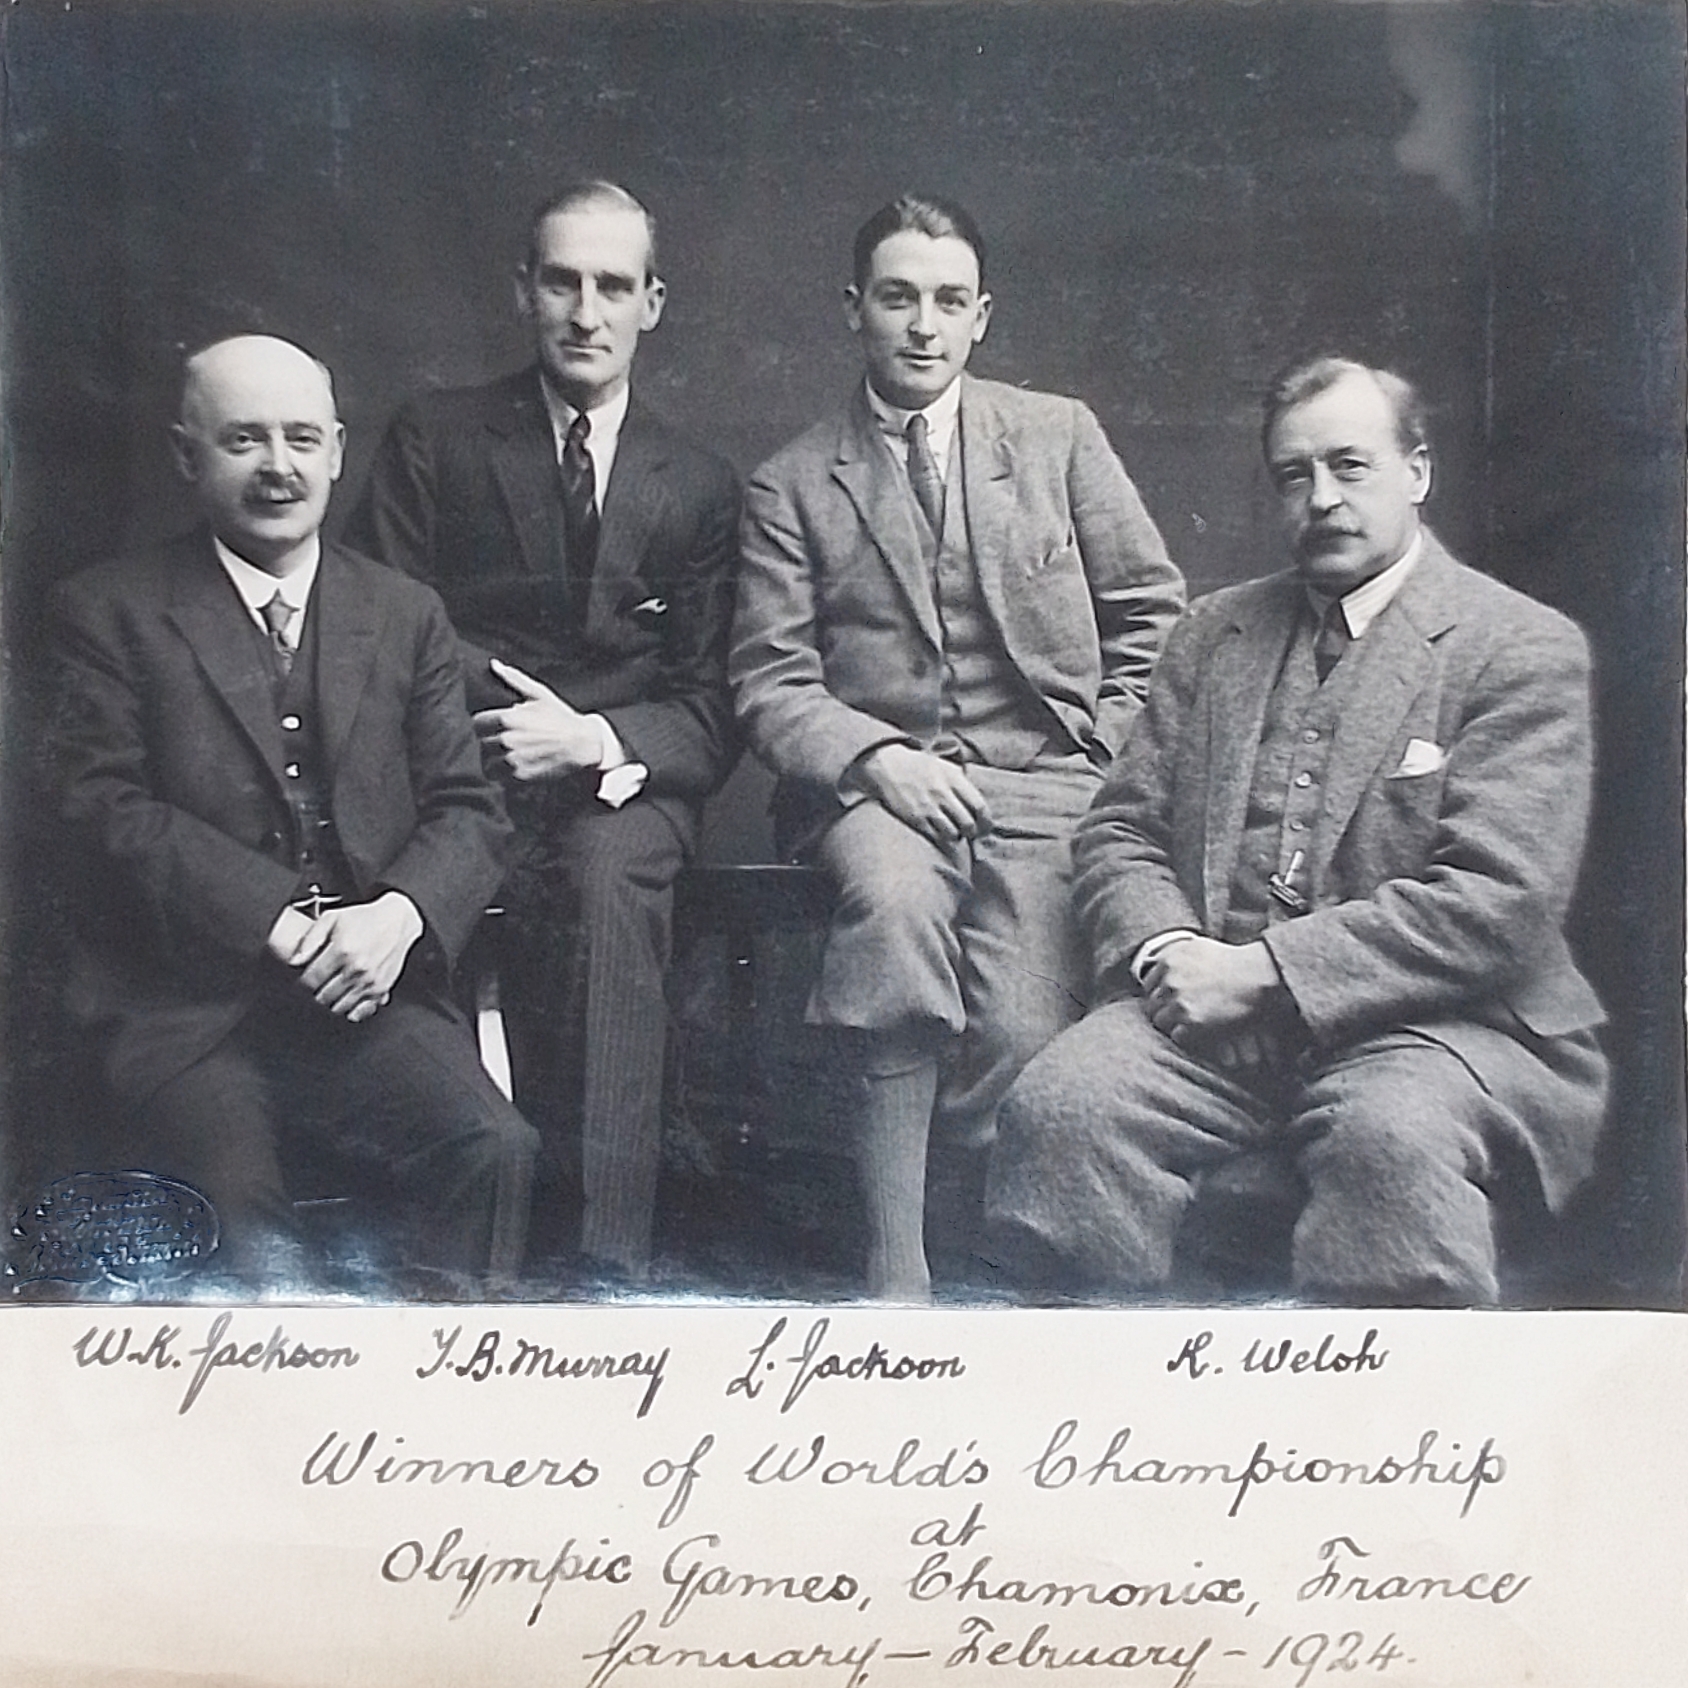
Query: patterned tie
pixel 923 475
pixel 277 613
pixel 580 511
pixel 1332 640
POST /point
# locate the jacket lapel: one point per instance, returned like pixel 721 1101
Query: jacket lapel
pixel 208 613
pixel 1392 663
pixel 634 506
pixel 865 470
pixel 348 637
pixel 1244 668
pixel 524 461
pixel 987 478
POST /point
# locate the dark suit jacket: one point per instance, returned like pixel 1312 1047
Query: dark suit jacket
pixel 464 494
pixel 836 636
pixel 168 754
pixel 1440 877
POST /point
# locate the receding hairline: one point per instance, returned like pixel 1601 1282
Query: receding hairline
pixel 193 367
pixel 1307 378
pixel 591 194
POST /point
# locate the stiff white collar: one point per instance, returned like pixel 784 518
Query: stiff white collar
pixel 257 586
pixel 942 415
pixel 1367 601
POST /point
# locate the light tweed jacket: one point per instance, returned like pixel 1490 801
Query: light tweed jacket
pixel 1439 876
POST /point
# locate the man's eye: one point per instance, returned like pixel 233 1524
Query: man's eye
pixel 1351 468
pixel 1286 480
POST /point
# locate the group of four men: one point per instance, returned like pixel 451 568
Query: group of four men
pixel 1320 878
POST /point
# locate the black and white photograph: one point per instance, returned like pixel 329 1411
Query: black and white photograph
pixel 982 654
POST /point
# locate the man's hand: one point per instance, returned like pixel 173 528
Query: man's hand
pixel 350 958
pixel 541 737
pixel 287 934
pixel 1199 986
pixel 924 792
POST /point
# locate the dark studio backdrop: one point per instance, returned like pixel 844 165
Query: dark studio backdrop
pixel 1178 197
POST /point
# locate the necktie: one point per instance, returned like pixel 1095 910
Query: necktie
pixel 277 613
pixel 580 511
pixel 923 475
pixel 1332 640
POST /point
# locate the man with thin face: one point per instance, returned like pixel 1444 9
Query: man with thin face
pixel 284 835
pixel 950 602
pixel 585 553
pixel 1324 889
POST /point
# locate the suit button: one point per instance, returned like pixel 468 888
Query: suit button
pixel 271 841
pixel 1303 780
pixel 1298 826
pixel 291 770
pixel 290 723
pixel 1310 735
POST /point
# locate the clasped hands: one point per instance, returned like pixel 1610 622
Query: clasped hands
pixel 934 797
pixel 1225 1002
pixel 540 738
pixel 349 958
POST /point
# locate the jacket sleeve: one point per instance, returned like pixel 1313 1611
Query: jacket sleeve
pixel 1136 591
pixel 683 730
pixel 1482 920
pixel 1127 884
pixel 795 722
pixel 157 869
pixel 396 517
pixel 455 856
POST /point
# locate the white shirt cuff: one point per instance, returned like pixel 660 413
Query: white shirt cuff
pixel 1151 950
pixel 621 779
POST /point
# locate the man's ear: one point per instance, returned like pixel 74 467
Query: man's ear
pixel 524 292
pixel 337 452
pixel 182 449
pixel 1421 469
pixel 656 296
pixel 983 320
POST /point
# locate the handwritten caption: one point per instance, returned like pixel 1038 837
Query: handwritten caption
pixel 648 1560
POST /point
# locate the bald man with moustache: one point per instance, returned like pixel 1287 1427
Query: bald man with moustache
pixel 281 837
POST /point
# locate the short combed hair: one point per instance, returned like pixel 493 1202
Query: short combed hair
pixel 922 213
pixel 592 194
pixel 1308 377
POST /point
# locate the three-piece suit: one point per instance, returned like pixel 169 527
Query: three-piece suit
pixel 178 749
pixel 1404 838
pixel 1018 642
pixel 465 494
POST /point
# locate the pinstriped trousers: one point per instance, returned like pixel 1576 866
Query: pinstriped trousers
pixel 592 912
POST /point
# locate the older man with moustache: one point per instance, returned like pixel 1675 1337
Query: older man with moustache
pixel 1324 888
pixel 585 554
pixel 284 835
pixel 950 602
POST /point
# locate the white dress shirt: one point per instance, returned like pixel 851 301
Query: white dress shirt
pixel 942 415
pixel 257 586
pixel 622 779
pixel 602 438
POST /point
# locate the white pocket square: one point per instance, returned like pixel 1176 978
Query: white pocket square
pixel 1420 757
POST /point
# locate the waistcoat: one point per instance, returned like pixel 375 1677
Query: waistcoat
pixel 987 710
pixel 1287 789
